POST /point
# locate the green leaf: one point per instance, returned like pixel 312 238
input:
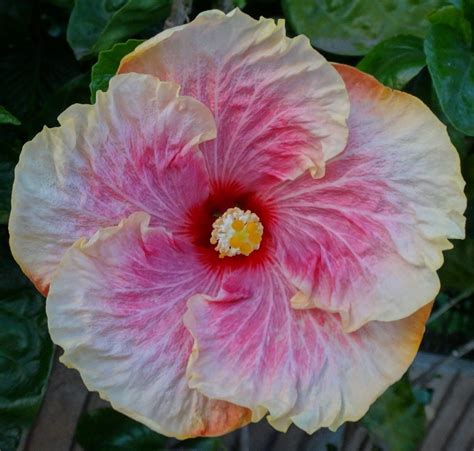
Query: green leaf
pixel 31 73
pixel 97 25
pixel 459 140
pixel 240 3
pixel 452 16
pixel 9 151
pixel 467 167
pixel 108 430
pixel 395 61
pixel 75 90
pixel 451 65
pixel 396 419
pixel 65 4
pixel 36 64
pixel 11 139
pixel 107 65
pixel 10 439
pixel 8 118
pixel 468 9
pixel 458 270
pixel 202 444
pixel 6 181
pixel 353 27
pixel 25 348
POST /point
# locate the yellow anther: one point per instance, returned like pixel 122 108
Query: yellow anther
pixel 255 237
pixel 246 249
pixel 235 241
pixel 236 232
pixel 252 227
pixel 238 225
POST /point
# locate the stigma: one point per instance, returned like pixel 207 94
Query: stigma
pixel 236 232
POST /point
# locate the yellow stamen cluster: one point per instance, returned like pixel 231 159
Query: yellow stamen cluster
pixel 236 232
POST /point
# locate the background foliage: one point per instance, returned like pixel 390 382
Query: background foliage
pixel 59 52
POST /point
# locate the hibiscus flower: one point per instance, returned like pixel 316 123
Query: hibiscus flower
pixel 238 229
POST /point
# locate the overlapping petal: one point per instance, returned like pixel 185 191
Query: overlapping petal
pixel 366 240
pixel 115 306
pixel 253 349
pixel 134 150
pixel 280 107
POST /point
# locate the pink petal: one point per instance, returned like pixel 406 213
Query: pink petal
pixel 366 240
pixel 254 350
pixel 279 106
pixel 134 150
pixel 115 306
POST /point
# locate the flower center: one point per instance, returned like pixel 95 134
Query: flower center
pixel 236 232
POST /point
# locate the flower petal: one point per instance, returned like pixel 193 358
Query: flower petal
pixel 280 107
pixel 115 306
pixel 253 349
pixel 134 150
pixel 366 240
